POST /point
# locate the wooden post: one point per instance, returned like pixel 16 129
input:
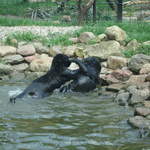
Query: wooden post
pixel 119 10
pixel 94 11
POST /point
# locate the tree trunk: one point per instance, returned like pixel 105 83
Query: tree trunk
pixel 94 11
pixel 84 10
pixel 111 4
pixel 119 10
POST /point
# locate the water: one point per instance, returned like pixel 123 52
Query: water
pixel 66 122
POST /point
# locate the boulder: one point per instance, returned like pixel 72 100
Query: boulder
pixel 69 50
pixel 146 43
pixel 136 79
pixel 138 95
pixel 110 79
pixel 4 77
pixel 17 76
pixel 86 37
pixel 137 61
pixel 133 45
pixel 56 22
pixel 146 104
pixel 29 59
pixel 73 40
pixel 40 48
pixel 147 79
pixel 139 122
pixel 101 37
pixel 20 67
pixel 41 64
pixel 66 18
pixel 116 62
pixel 7 50
pixel 80 52
pixel 142 111
pixel 55 50
pixel 13 59
pixel 26 50
pixel 103 49
pixel 122 75
pixel 5 69
pixel 145 69
pixel 122 98
pixel 115 33
pixel 116 87
pixel 33 75
pixel 74 50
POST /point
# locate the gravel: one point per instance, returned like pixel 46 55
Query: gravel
pixel 39 30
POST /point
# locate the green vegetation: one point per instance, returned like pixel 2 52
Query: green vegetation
pixel 144 49
pixel 14 13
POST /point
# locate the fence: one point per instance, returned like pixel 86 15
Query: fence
pixel 103 11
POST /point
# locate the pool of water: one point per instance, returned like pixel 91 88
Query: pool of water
pixel 70 121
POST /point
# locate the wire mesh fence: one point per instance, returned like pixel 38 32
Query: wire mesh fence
pixel 137 10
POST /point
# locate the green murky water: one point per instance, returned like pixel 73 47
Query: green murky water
pixel 66 122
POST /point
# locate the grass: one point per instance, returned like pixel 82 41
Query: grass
pixel 144 49
pixel 138 31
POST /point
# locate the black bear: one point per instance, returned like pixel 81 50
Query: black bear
pixel 53 79
pixel 86 77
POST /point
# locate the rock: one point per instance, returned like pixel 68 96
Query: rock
pixel 138 95
pixel 115 62
pixel 13 59
pixel 55 50
pixel 147 79
pixel 115 33
pixel 79 52
pixel 110 79
pixel 146 43
pixel 136 79
pixel 142 111
pixel 33 75
pixel 56 22
pixel 7 50
pixel 105 70
pixel 146 104
pixel 20 67
pixel 41 64
pixel 101 37
pixel 103 49
pixel 145 69
pixel 69 50
pixel 74 40
pixel 26 50
pixel 66 18
pixel 137 61
pixel 133 45
pixel 5 69
pixel 139 122
pixel 116 87
pixel 4 77
pixel 17 76
pixel 22 43
pixel 40 48
pixel 122 98
pixel 86 37
pixel 73 50
pixel 29 59
pixel 122 75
